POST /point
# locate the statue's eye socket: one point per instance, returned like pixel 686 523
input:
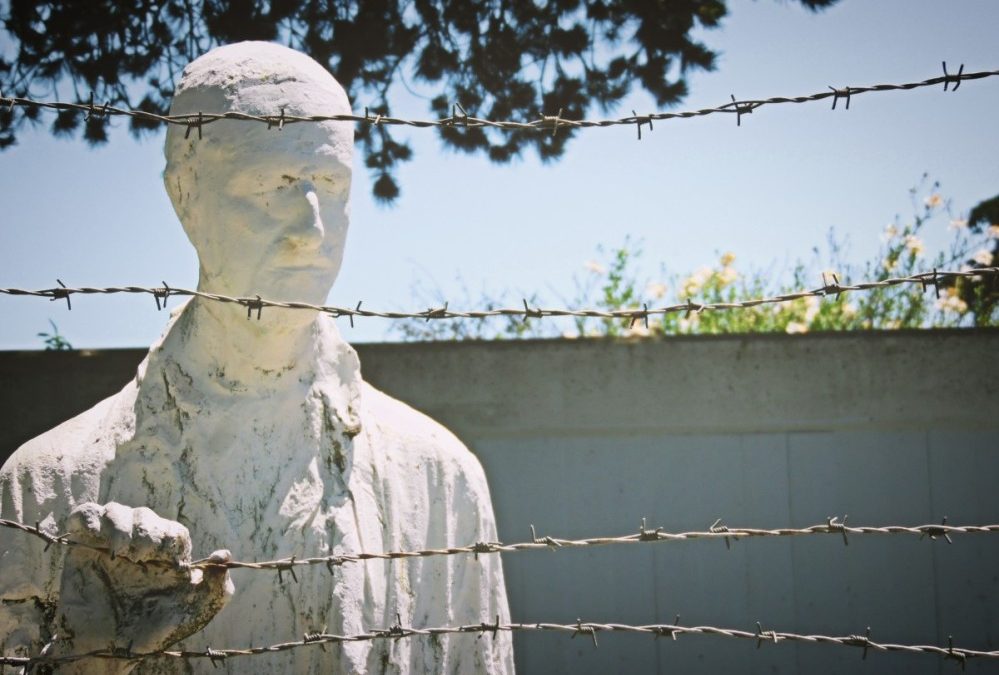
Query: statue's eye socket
pixel 255 187
pixel 260 185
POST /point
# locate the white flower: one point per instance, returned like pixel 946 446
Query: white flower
pixel 951 302
pixel 796 327
pixel 933 201
pixel 914 244
pixel 849 309
pixel 892 324
pixel 958 224
pixel 695 282
pixel 812 304
pixel 727 259
pixel 656 290
pixel 956 305
pixel 691 286
pixel 890 231
pixel 638 329
pixel 594 267
pixel 889 264
pixel 727 275
pixel 685 325
pixel 982 257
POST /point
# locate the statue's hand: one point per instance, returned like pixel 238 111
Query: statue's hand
pixel 142 594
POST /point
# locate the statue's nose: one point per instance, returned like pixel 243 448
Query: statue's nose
pixel 308 231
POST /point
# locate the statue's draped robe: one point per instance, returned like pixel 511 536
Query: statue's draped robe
pixel 310 461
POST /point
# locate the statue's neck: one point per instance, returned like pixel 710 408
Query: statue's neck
pixel 209 365
pixel 217 342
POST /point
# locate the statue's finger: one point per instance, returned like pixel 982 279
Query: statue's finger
pixel 116 528
pixel 84 524
pixel 156 538
pixel 219 557
pixel 214 579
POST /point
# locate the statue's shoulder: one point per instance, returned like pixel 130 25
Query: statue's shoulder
pixel 404 431
pixel 44 479
pixel 427 465
pixel 66 462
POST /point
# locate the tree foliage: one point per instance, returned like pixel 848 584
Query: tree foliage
pixel 512 60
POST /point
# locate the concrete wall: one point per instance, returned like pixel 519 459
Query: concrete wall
pixel 586 438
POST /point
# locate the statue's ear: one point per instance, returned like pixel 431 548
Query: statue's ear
pixel 179 181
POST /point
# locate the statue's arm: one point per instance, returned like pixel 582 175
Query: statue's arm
pixel 25 602
pixel 479 583
pixel 432 467
pixel 145 596
pixel 478 589
pixel 22 624
pixel 131 585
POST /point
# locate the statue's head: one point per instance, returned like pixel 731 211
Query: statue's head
pixel 266 209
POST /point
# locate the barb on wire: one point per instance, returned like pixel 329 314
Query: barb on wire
pixel 256 303
pixel 397 631
pixel 832 525
pixel 544 123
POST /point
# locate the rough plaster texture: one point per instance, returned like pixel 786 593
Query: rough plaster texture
pixel 257 438
pixel 585 438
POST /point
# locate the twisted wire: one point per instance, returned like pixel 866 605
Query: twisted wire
pixel 460 118
pixel 590 629
pixel 717 530
pixel 255 304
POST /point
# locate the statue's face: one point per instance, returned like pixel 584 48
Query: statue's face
pixel 267 209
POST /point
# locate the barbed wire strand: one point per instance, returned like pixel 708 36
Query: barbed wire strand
pixel 255 304
pixel 551 123
pixel 673 630
pixel 832 525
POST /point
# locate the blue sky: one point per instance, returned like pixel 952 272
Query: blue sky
pixel 768 191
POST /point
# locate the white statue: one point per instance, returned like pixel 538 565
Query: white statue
pixel 253 438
